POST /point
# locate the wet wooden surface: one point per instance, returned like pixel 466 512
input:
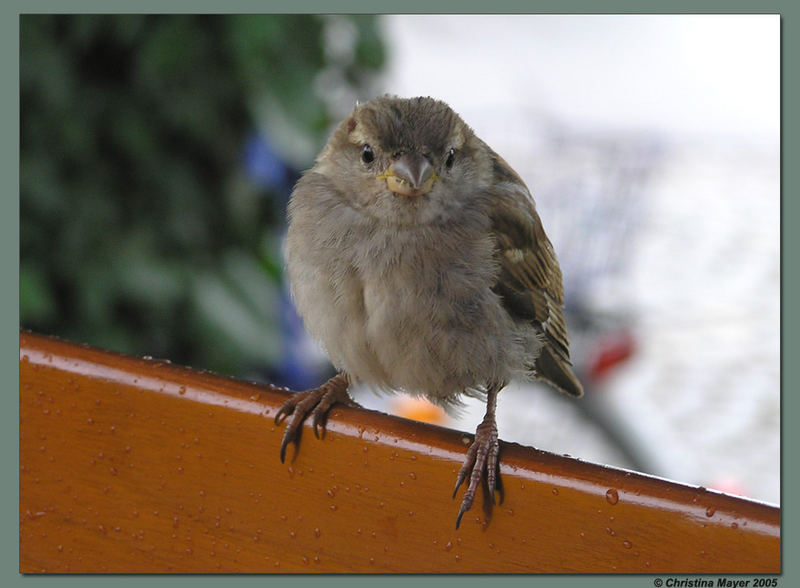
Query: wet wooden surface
pixel 135 465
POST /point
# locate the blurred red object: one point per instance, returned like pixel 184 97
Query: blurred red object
pixel 610 351
pixel 729 485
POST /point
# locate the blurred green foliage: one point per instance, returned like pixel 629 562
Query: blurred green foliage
pixel 140 229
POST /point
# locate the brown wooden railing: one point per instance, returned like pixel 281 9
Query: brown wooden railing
pixel 135 465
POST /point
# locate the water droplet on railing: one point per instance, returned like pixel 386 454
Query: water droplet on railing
pixel 612 496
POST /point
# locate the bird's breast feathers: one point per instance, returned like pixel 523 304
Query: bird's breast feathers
pixel 412 314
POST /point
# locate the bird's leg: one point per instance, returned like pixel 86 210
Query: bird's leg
pixel 316 402
pixel 481 463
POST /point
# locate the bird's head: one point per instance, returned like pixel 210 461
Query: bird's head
pixel 402 160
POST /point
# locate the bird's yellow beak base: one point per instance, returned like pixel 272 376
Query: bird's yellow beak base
pixel 405 188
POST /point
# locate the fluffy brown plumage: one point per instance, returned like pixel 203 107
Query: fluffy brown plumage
pixel 417 258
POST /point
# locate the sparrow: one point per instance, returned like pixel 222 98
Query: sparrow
pixel 417 259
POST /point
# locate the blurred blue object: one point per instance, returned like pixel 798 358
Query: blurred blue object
pixel 266 168
pixel 300 366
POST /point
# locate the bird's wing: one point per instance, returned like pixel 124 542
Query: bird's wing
pixel 529 281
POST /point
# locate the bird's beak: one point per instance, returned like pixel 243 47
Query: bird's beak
pixel 411 175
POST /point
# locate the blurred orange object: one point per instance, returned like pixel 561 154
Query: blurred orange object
pixel 419 409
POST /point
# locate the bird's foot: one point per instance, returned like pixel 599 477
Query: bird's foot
pixel 316 402
pixel 481 465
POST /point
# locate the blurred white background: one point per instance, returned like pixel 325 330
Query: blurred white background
pixel 651 145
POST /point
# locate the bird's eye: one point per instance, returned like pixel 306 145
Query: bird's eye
pixel 450 157
pixel 367 154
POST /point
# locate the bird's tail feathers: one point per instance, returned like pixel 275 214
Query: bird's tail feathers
pixel 557 372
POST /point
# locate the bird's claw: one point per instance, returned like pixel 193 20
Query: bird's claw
pixel 316 402
pixel 481 465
